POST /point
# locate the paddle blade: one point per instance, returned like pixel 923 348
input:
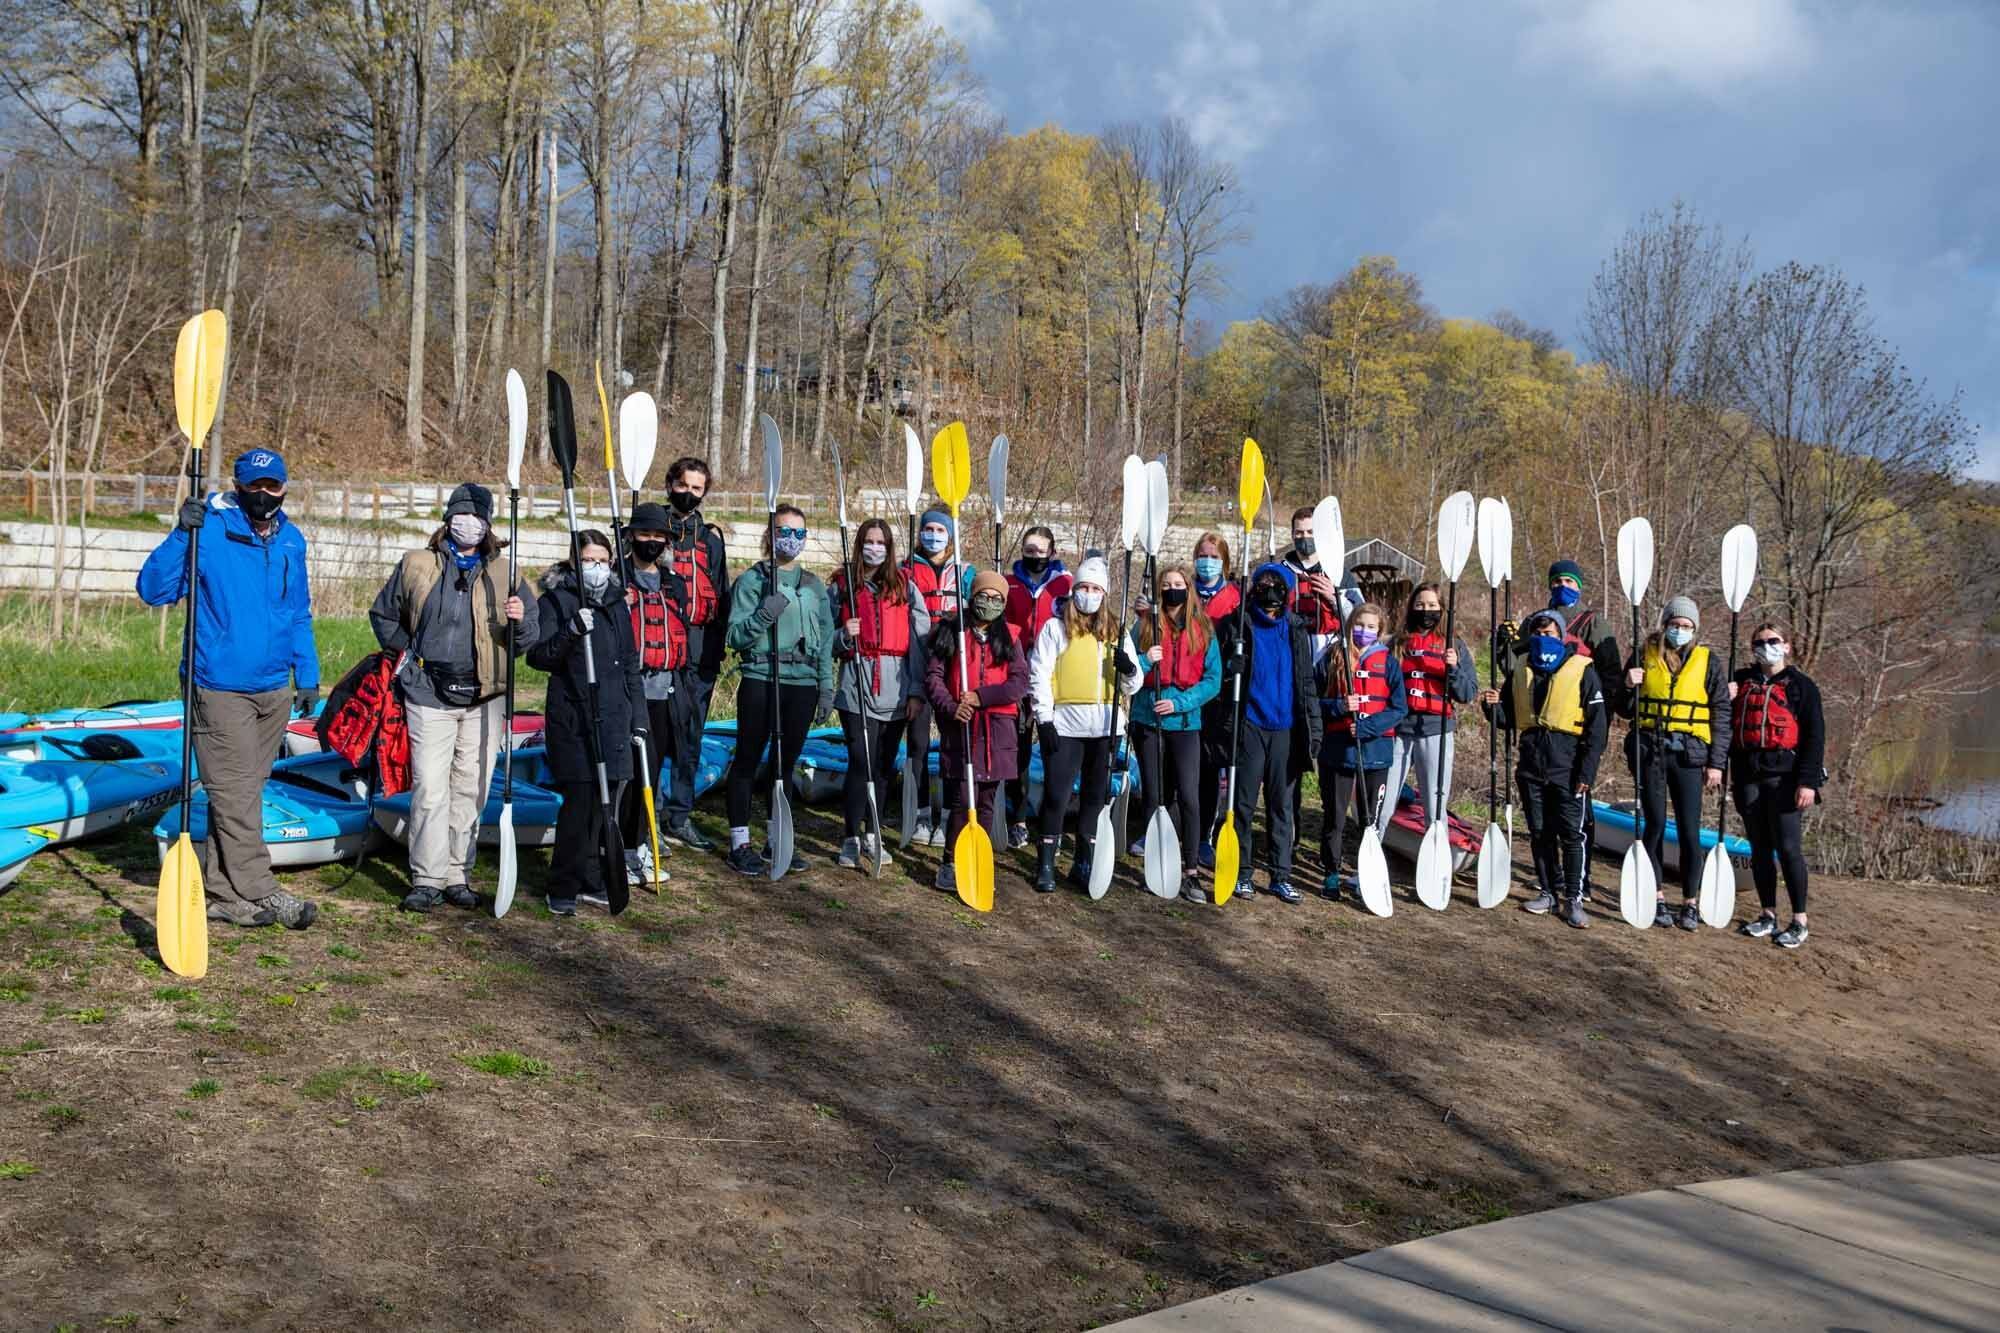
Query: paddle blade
pixel 1718 887
pixel 774 461
pixel 517 427
pixel 1495 866
pixel 1739 564
pixel 1153 531
pixel 913 471
pixel 562 428
pixel 1329 539
pixel 1458 524
pixel 1434 867
pixel 907 826
pixel 1489 540
pixel 1132 516
pixel 1371 869
pixel 839 482
pixel 1638 888
pixel 1104 854
pixel 510 863
pixel 1506 540
pixel 780 831
pixel 1635 559
pixel 1228 860
pixel 604 419
pixel 1250 484
pixel 180 916
pixel 972 862
pixel 951 465
pixel 199 354
pixel 638 438
pixel 996 478
pixel 1163 855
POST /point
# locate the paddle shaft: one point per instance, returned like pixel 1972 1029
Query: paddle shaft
pixel 1445 718
pixel 513 582
pixel 1226 805
pixel 777 719
pixel 187 630
pixel 1492 750
pixel 1722 793
pixel 1638 750
pixel 1507 736
pixel 860 697
pixel 593 737
pixel 964 681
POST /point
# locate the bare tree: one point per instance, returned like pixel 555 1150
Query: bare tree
pixel 736 23
pixel 421 41
pixel 1205 217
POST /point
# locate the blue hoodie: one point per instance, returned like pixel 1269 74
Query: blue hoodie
pixel 1268 692
pixel 253 627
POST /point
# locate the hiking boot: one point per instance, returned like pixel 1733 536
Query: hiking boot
pixel 1759 927
pixel 460 895
pixel 1192 891
pixel 1662 914
pixel 1572 913
pixel 422 898
pixel 247 915
pixel 1017 837
pixel 562 907
pixel 947 878
pixel 1331 888
pixel 685 834
pixel 849 856
pixel 1689 917
pixel 745 861
pixel 290 912
pixel 1286 893
pixel 1541 904
pixel 1045 868
pixel 1791 937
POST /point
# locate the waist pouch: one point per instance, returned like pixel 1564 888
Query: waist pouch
pixel 456 687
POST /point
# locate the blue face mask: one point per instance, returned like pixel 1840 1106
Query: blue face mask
pixel 1208 568
pixel 1545 652
pixel 1562 595
pixel 933 541
pixel 1679 637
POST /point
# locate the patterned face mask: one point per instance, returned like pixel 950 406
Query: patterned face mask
pixel 790 543
pixel 467 529
pixel 988 608
pixel 874 553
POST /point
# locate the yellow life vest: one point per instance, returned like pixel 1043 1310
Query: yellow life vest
pixel 1080 674
pixel 1675 701
pixel 1562 706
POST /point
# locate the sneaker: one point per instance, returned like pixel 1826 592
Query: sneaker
pixel 1791 937
pixel 1017 837
pixel 1331 888
pixel 1662 914
pixel 1192 891
pixel 1585 895
pixel 745 861
pixel 937 833
pixel 420 899
pixel 849 856
pixel 1245 889
pixel 1136 849
pixel 1572 913
pixel 460 895
pixel 1759 927
pixel 594 898
pixel 1541 904
pixel 871 848
pixel 1205 856
pixel 1689 917
pixel 639 865
pixel 921 837
pixel 562 907
pixel 1286 893
pixel 685 834
pixel 290 912
pixel 947 878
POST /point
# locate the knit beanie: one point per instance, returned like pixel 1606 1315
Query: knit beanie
pixel 1093 570
pixel 1549 613
pixel 1567 569
pixel 1681 606
pixel 938 516
pixel 470 498
pixel 988 581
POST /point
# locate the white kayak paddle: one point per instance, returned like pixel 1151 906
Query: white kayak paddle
pixel 1496 852
pixel 1458 522
pixel 517 444
pixel 1718 875
pixel 1163 843
pixel 1638 880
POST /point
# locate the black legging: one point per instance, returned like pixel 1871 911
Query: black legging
pixel 1177 787
pixel 1215 756
pixel 1770 810
pixel 1555 835
pixel 1091 757
pixel 753 735
pixel 1666 776
pixel 881 750
pixel 918 734
pixel 1338 791
pixel 1027 737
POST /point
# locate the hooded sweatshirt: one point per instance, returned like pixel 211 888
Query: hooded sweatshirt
pixel 1270 692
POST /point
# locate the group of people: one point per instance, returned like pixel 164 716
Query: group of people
pixel 997 666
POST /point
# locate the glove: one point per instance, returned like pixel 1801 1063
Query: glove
pixel 770 609
pixel 1312 747
pixel 822 708
pixel 585 622
pixel 193 511
pixel 1126 666
pixel 305 700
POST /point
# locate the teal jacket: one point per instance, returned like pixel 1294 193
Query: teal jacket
pixel 805 628
pixel 1187 703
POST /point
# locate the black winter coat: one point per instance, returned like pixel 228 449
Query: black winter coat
pixel 620 692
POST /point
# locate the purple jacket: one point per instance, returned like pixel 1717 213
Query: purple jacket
pixel 995 756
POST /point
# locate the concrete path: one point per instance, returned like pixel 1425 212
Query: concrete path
pixel 1894 1245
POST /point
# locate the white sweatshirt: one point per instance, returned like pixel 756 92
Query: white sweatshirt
pixel 1072 719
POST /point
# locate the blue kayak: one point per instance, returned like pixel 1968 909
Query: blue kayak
pixel 535 806
pixel 315 811
pixel 91 743
pixel 131 713
pixel 1616 825
pixel 68 799
pixel 16 846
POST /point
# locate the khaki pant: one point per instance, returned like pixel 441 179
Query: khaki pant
pixel 452 751
pixel 236 740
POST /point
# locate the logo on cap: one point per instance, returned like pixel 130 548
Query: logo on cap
pixel 261 459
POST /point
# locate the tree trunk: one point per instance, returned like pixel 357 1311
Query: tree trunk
pixel 747 412
pixel 604 334
pixel 1180 330
pixel 549 283
pixel 460 321
pixel 420 228
pixel 731 74
pixel 245 155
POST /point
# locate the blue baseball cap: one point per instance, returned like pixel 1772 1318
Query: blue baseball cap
pixel 260 465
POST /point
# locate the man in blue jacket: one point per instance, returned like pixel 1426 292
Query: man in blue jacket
pixel 255 665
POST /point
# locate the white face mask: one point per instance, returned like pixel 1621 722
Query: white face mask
pixel 596 575
pixel 1770 654
pixel 1088 600
pixel 873 553
pixel 467 529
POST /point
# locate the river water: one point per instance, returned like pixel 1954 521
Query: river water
pixel 1955 763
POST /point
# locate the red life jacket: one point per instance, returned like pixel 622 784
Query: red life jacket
pixel 658 630
pixel 1764 717
pixel 1222 602
pixel 1320 615
pixel 1578 628
pixel 365 712
pixel 691 563
pixel 981 672
pixel 933 583
pixel 1425 674
pixel 1371 682
pixel 1180 663
pixel 885 626
pixel 1028 611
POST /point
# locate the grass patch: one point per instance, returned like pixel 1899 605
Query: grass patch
pixel 202 1089
pixel 506 1064
pixel 62 1117
pixel 17 1170
pixel 328 1084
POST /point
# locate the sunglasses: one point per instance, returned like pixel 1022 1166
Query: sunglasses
pixel 799 533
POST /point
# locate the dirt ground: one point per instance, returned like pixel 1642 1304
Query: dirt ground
pixel 832 1103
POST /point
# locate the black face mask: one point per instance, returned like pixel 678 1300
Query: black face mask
pixel 258 505
pixel 647 552
pixel 1270 597
pixel 1304 545
pixel 1425 619
pixel 684 502
pixel 1034 564
pixel 1173 598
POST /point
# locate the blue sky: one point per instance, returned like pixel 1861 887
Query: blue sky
pixel 1499 148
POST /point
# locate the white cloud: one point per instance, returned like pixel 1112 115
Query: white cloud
pixel 1708 45
pixel 1220 82
pixel 968 20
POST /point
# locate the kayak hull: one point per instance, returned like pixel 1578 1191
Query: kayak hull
pixel 1405 836
pixel 315 810
pixel 1615 828
pixel 68 800
pixel 17 848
